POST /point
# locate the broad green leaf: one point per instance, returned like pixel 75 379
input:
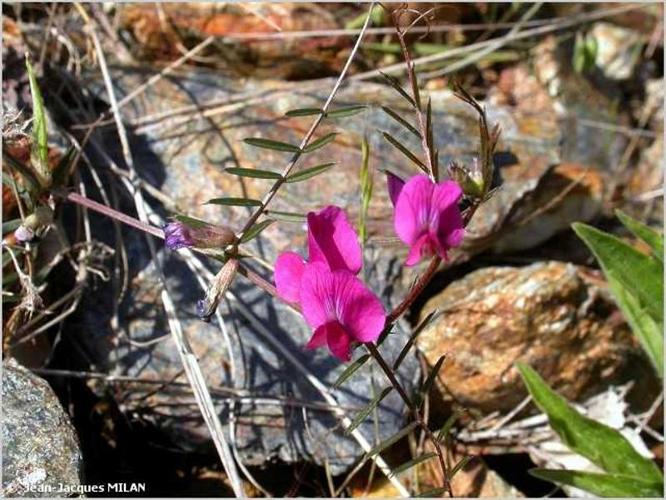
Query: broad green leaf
pixel 271 144
pixel 254 172
pixel 309 172
pixel 254 231
pixel 344 112
pixel 645 233
pixel 416 461
pixel 401 121
pixel 417 331
pixel 286 216
pixel 237 202
pixel 603 485
pixel 425 389
pixel 39 134
pixel 320 143
pixel 303 112
pixel 350 370
pixel 190 221
pixel 393 82
pixel 597 442
pixel 10 225
pixel 391 440
pixel 648 331
pixel 404 150
pixel 363 414
pixel 640 274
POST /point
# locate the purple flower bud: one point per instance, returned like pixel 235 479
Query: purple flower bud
pixel 395 185
pixel 177 235
pixel 23 234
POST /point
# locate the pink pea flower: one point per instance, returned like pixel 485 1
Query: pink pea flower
pixel 333 300
pixel 427 217
pixel 332 241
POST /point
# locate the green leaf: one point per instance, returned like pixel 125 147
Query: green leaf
pixel 640 274
pixel 270 144
pixel 651 237
pixel 10 225
pixel 236 202
pixel 393 82
pixel 597 442
pixel 363 414
pixel 460 465
pixel 366 190
pixel 350 370
pixel 286 216
pixel 425 389
pixel 40 145
pixel 320 143
pixel 309 172
pixel 190 221
pixel 32 183
pixel 344 112
pixel 404 150
pixel 303 112
pixel 603 485
pixel 434 493
pixel 254 173
pixel 417 331
pixel 636 282
pixel 416 461
pixel 446 428
pixel 401 121
pixel 393 439
pixel 254 231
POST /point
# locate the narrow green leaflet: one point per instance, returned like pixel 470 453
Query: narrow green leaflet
pixel 254 231
pixel 393 439
pixel 39 134
pixel 363 414
pixel 254 172
pixel 350 370
pixel 10 225
pixel 417 331
pixel 270 144
pixel 320 143
pixel 28 176
pixel 190 221
pixel 237 202
pixel 309 172
pixel 597 442
pixel 286 216
pixel 446 428
pixel 416 461
pixel 366 190
pixel 425 389
pixel 460 465
pixel 401 121
pixel 603 485
pixel 640 274
pixel 344 112
pixel 645 233
pixel 404 150
pixel 393 82
pixel 303 112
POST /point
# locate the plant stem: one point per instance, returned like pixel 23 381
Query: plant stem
pixel 390 375
pixel 415 291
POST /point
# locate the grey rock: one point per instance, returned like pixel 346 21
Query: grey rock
pixel 40 450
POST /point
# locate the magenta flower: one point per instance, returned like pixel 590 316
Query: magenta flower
pixel 203 235
pixel 333 300
pixel 427 217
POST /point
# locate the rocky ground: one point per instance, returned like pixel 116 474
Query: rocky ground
pixel 93 386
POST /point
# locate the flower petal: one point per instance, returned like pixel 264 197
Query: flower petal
pixel 318 339
pixel 412 210
pixel 395 185
pixel 339 341
pixel 332 240
pixel 340 296
pixel 289 268
pixel 422 248
pixel 177 235
pixel 444 196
